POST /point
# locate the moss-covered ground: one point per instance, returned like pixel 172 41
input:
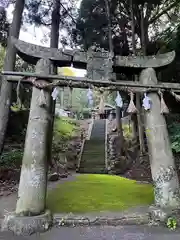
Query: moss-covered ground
pixel 93 193
pixel 64 127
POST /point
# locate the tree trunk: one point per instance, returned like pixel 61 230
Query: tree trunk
pixel 54 41
pixel 33 180
pixel 138 95
pixel 140 124
pixel 9 64
pixel 119 127
pixel 143 41
pixel 166 184
pixel 134 125
pixel 133 117
pixel 109 26
pixel 62 98
pixel 133 27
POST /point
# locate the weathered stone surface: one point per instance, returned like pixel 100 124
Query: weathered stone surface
pixel 162 215
pixel 158 214
pixel 63 175
pixel 60 167
pixel 99 65
pixel 53 177
pixel 145 61
pixel 33 180
pixel 72 153
pixel 111 219
pixel 117 162
pixel 32 53
pixel 27 225
pixel 166 183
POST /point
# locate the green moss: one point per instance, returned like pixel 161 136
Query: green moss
pixel 64 127
pixel 93 193
pixel 64 130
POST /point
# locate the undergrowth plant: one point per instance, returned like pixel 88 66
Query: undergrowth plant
pixel 171 223
pixel 174 134
pixel 12 159
pixel 127 131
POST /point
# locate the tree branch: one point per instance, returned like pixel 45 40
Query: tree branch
pixel 148 11
pixel 66 10
pixel 155 17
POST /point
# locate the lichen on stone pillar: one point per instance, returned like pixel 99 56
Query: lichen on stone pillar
pixel 33 181
pixel 164 175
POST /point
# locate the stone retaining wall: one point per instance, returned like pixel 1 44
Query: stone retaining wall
pixel 117 162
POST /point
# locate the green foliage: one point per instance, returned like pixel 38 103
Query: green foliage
pixel 39 13
pixel 2 54
pixel 94 193
pixel 85 113
pixel 174 133
pixel 90 32
pixel 64 128
pixel 169 40
pixel 15 108
pixel 12 159
pixel 4 27
pixel 171 223
pixel 127 131
pixel 79 99
pixel 17 125
pixel 173 123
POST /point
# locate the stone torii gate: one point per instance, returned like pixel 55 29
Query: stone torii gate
pixel 31 210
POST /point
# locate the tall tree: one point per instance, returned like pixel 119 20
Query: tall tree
pixel 9 64
pixel 4 27
pixel 40 13
pixel 54 42
pixel 89 31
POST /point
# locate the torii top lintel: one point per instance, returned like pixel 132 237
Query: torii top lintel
pixel 31 53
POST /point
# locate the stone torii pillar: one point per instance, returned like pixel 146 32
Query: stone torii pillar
pixel 166 184
pixel 31 214
pixel 165 179
pixel 33 181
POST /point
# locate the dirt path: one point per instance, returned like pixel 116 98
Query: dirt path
pixel 99 233
pixel 8 203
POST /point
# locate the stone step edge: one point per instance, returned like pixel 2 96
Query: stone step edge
pixel 97 219
pixel 78 220
pixel 62 220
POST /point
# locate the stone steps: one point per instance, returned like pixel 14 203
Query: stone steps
pixel 93 157
pixel 98 130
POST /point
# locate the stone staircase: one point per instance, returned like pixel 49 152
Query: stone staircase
pixel 93 156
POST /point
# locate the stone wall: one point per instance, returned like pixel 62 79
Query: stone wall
pixel 118 161
pixel 117 164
